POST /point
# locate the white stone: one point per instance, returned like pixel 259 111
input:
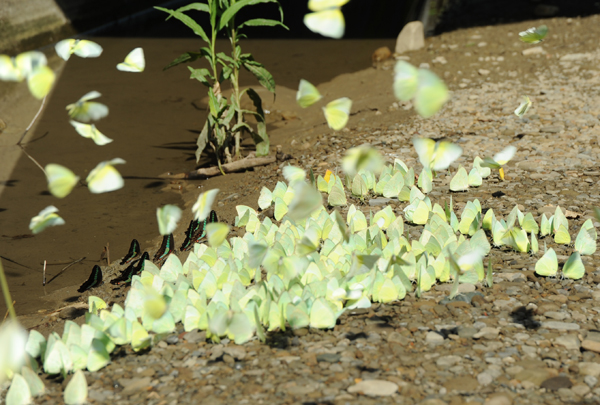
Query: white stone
pixel 536 50
pixel 589 368
pixel 569 342
pixel 560 325
pixel 374 388
pixel 433 337
pixel 484 378
pixel 576 56
pixel 411 38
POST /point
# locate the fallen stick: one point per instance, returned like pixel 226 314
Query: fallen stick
pixel 227 168
pixel 66 267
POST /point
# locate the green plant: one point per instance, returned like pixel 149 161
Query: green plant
pixel 226 120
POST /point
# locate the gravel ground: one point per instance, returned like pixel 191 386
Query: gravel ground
pixel 526 340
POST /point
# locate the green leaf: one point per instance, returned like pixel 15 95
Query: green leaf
pixel 200 75
pixel 202 141
pixel 227 58
pixel 187 21
pixel 241 125
pixel 261 22
pixel 194 6
pixel 264 77
pixel 184 58
pixel 261 138
pixel 233 10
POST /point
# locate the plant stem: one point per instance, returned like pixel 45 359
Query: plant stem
pixel 6 293
pixel 235 82
pixel 25 133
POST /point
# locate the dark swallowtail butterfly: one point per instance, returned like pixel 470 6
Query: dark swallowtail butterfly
pixel 133 269
pixel 93 281
pixel 134 251
pixel 166 247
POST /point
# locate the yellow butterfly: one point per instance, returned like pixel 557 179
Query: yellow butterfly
pixel 307 94
pixel 134 61
pixel 31 66
pixel 80 47
pixel 337 113
pixel 327 18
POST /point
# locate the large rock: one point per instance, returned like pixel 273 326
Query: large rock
pixel 411 37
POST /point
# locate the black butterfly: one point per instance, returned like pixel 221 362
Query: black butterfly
pixel 134 268
pixel 93 281
pixel 190 234
pixel 166 247
pixel 134 251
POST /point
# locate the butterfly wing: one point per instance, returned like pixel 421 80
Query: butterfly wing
pixel 63 48
pixel 337 113
pixel 444 154
pixel 307 94
pixel 329 23
pixel 134 61
pixel 60 180
pixel 425 148
pixel 405 80
pixel 523 107
pixel 431 94
pixel 504 156
pixel 548 264
pixel 574 268
pixel 319 5
pixel 40 82
pixel 104 177
pixel 86 49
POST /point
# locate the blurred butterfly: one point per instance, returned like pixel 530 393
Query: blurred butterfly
pixel 429 91
pixel 523 107
pixel 534 35
pixel 327 18
pixel 90 131
pixel 436 155
pixel 307 94
pixel 85 110
pixel 80 47
pixel 104 177
pixel 47 217
pixel 60 180
pixel 134 61
pixel 32 66
pixel 500 159
pixel 337 113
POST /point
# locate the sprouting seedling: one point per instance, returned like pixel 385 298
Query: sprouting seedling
pixel 500 159
pixel 327 18
pixel 85 110
pixel 32 66
pixel 307 94
pixel 134 61
pixel 534 35
pixel 523 107
pixel 80 47
pixel 434 155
